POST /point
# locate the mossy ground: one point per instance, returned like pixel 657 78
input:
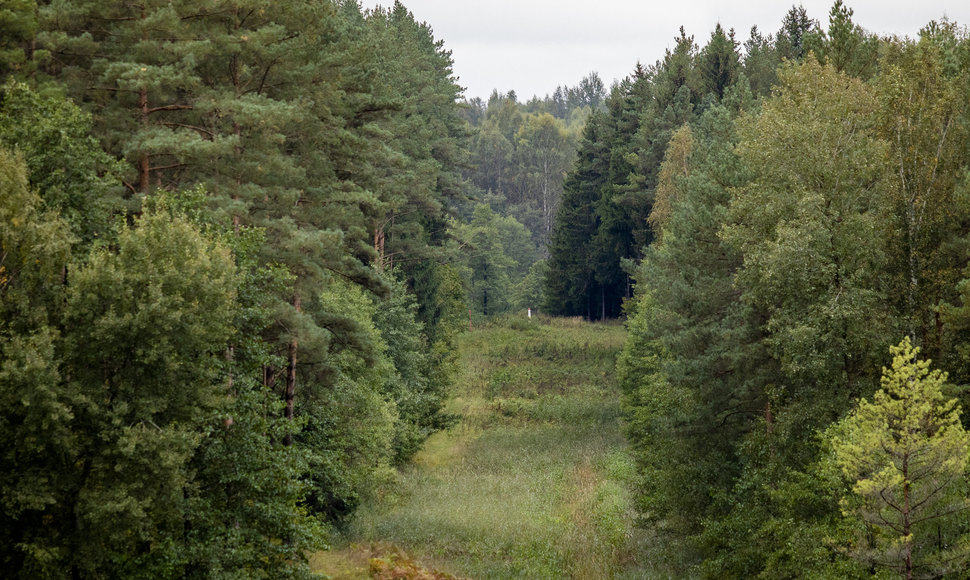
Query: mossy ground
pixel 531 483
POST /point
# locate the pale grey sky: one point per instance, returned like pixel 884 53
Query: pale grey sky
pixel 532 46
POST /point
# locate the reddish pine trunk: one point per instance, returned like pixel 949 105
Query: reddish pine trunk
pixel 144 169
pixel 379 246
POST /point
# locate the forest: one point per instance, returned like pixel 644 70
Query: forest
pixel 794 220
pixel 241 240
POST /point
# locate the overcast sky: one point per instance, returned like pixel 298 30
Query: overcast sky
pixel 533 46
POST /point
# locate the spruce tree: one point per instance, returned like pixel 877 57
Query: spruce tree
pixel 569 281
pixel 719 62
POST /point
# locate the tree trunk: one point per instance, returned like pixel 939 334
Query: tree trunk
pixel 291 376
pixel 144 167
pixel 908 546
pixel 485 290
pixel 379 246
pixel 603 302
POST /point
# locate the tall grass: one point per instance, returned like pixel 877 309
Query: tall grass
pixel 532 483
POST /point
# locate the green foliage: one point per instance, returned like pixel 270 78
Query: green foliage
pixel 695 368
pixel 928 158
pixel 905 455
pixel 528 293
pixel 611 192
pixel 318 150
pixel 497 253
pixel 569 279
pixel 36 417
pixel 18 28
pixel 847 46
pixel 249 488
pixel 652 408
pixel 36 245
pixel 519 158
pixel 128 456
pixel 65 162
pixel 761 59
pixel 544 151
pixel 419 383
pixel 817 187
pixel 273 169
pixel 797 34
pixel 793 243
pixel 538 438
pixel 147 323
pixel 719 62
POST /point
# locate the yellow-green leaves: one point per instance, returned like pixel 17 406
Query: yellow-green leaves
pixel 906 455
pixel 671 184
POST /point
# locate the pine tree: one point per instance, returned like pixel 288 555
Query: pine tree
pixel 906 455
pixel 847 46
pixel 18 31
pixel 710 366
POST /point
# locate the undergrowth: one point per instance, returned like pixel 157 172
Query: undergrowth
pixel 531 483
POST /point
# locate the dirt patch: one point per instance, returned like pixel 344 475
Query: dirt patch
pixel 379 561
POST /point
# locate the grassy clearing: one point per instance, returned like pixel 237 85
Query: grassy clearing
pixel 532 483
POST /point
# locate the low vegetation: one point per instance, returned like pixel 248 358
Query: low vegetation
pixel 531 483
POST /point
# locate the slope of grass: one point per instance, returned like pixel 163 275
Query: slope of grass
pixel 532 483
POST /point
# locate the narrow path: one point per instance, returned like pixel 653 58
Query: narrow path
pixel 532 483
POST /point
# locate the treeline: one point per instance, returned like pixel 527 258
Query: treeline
pixel 609 193
pixel 519 154
pixel 801 218
pixel 226 300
